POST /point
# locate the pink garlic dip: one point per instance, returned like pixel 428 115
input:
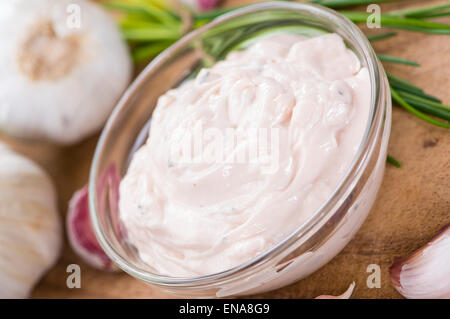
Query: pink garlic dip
pixel 193 219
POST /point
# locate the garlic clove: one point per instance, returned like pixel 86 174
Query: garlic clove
pixel 201 5
pixel 78 222
pixel 206 5
pixel 345 295
pixel 425 274
pixel 81 234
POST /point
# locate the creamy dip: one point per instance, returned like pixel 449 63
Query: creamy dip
pixel 198 215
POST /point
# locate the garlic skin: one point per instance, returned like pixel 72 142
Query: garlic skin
pixel 426 273
pixel 30 228
pixel 61 76
pixel 346 295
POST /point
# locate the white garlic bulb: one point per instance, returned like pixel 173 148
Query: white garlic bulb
pixel 63 67
pixel 30 228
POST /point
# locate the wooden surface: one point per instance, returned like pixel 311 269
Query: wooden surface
pixel 413 203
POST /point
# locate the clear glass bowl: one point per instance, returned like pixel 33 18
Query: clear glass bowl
pixel 312 244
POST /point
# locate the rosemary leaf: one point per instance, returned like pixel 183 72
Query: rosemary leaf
pixel 397 98
pixel 146 52
pixel 435 15
pixel 404 89
pixel 162 15
pixel 401 23
pixel 347 3
pixel 402 82
pixel 210 15
pixel 143 8
pixel 426 100
pixel 381 36
pixel 421 12
pixel 123 7
pixel 419 29
pixel 390 159
pixel 150 34
pixel 427 108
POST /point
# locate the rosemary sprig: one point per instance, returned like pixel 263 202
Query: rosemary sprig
pixel 427 106
pixel 397 98
pixel 151 26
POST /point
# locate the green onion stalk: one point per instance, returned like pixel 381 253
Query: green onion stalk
pixel 151 26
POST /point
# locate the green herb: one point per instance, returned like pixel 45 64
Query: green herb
pixel 425 12
pixel 393 59
pixel 393 161
pixel 397 98
pixel 346 3
pixel 381 36
pixel 151 26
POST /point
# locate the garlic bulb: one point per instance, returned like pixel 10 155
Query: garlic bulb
pixel 63 67
pixel 345 295
pixel 426 273
pixel 30 230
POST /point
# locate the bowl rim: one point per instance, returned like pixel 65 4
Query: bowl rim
pixel 347 180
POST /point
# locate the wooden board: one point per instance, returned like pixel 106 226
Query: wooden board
pixel 413 203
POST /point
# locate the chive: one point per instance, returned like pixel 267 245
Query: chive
pixel 146 52
pixel 427 108
pixel 437 104
pixel 397 98
pixel 143 34
pixel 431 107
pixel 403 85
pixel 144 8
pixel 381 36
pixel 390 159
pixel 402 82
pixel 419 29
pixel 347 3
pixel 419 12
pixel 393 59
pixel 123 7
pixel 401 23
pixel 209 15
pixel 404 89
pixel 159 14
pixel 153 26
pixel 435 15
pixel 131 23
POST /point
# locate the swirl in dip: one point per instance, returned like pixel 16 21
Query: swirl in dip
pixel 201 216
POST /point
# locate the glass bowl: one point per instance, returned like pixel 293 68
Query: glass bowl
pixel 313 243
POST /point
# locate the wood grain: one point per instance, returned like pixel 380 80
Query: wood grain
pixel 413 203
